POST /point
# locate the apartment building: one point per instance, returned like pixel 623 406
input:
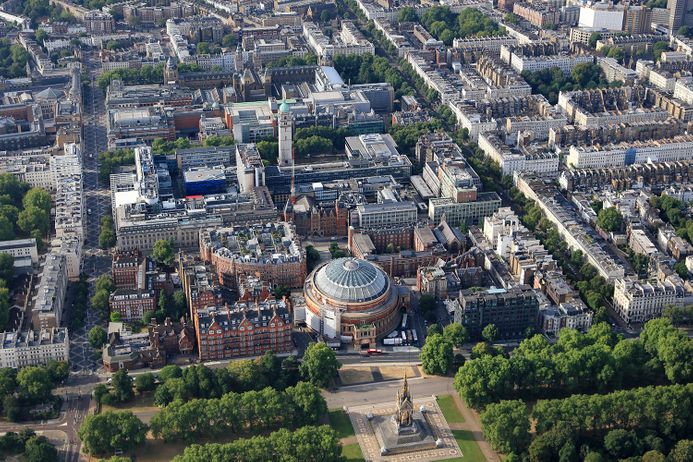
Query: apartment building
pixel 640 301
pixel 34 347
pixel 512 310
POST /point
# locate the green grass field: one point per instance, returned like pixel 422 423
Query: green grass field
pixel 469 447
pixel 450 410
pixel 340 422
pixel 352 453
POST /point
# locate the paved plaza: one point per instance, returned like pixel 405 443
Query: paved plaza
pixel 369 443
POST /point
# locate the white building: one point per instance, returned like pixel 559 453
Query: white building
pixel 616 155
pixel 564 62
pixel 50 293
pixel 32 348
pixel 601 16
pixel 640 301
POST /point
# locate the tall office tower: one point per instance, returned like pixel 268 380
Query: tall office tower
pixel 285 133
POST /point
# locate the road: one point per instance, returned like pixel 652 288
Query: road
pixel 75 408
pixel 383 392
pixel 83 364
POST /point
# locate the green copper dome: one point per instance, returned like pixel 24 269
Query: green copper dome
pixel 284 107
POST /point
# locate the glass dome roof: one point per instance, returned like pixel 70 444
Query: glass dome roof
pixel 351 280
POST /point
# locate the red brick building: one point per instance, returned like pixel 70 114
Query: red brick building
pixel 199 283
pixel 245 329
pixel 125 268
pixel 132 303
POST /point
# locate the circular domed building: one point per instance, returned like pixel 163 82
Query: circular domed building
pixel 351 297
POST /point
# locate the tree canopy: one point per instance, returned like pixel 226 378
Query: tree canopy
pixel 436 355
pixel 610 219
pixel 319 364
pixel 163 252
pixel 110 431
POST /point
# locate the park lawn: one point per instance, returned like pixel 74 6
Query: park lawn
pixel 340 423
pixel 468 446
pixel 352 453
pixel 450 410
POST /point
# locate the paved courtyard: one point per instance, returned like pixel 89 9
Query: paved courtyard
pixel 369 443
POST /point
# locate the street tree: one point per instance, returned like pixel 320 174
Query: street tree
pixel 122 386
pixel 319 364
pixel 436 355
pixel 455 333
pixel 490 333
pixel 145 382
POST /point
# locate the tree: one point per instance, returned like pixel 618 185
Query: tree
pixel 203 48
pixel 506 426
pixel 621 443
pixel 6 266
pixel 230 40
pixel 39 449
pixel 116 316
pixel 408 14
pixel 490 333
pixel 122 386
pixel 682 452
pixel 169 372
pixel 6 228
pixel 312 257
pixel 97 337
pixel 110 431
pixel 32 219
pixel 653 456
pixel 455 333
pixel 319 364
pixel 434 329
pixel 335 251
pixel 427 307
pixel 59 371
pixel 163 252
pixel 179 304
pixel 38 198
pixel 100 391
pixel 35 383
pixel 594 38
pixel 610 219
pixel 658 48
pixel 436 355
pixel 145 382
pixel 484 380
